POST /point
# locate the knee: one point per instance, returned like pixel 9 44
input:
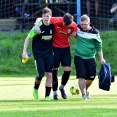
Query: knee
pixel 49 75
pixel 39 76
pixel 66 68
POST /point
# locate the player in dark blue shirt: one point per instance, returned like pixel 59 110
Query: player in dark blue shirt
pixel 42 52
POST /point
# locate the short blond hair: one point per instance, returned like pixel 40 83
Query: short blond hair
pixel 85 17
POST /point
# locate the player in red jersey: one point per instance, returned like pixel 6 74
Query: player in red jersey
pixel 64 27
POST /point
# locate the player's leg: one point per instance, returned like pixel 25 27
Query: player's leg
pixel 48 85
pixel 88 7
pixel 65 78
pixel 91 73
pixel 55 72
pixel 96 7
pixel 55 83
pixel 40 68
pixel 81 75
pixel 48 68
pixel 66 63
pixel 88 84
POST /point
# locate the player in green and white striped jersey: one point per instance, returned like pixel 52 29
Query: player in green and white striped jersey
pixel 88 42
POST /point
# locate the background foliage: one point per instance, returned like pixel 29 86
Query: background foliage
pixel 11 46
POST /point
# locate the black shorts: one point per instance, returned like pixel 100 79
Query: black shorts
pixel 63 56
pixel 85 68
pixel 45 63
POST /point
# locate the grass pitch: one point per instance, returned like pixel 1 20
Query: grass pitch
pixel 16 100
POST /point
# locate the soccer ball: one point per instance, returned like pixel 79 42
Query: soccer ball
pixel 74 90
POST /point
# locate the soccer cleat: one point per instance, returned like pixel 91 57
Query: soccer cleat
pixel 35 94
pixel 55 97
pixel 63 94
pixel 47 98
pixel 84 97
pixel 88 95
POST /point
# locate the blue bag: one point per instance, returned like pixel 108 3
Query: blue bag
pixel 105 77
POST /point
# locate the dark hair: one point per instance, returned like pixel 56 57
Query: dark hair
pixel 47 10
pixel 67 19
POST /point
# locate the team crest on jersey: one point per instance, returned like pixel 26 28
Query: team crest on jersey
pixel 50 31
pixel 62 32
pixel 69 30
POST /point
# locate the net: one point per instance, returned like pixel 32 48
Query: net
pixel 21 14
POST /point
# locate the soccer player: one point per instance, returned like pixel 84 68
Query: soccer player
pixel 88 41
pixel 64 27
pixel 42 51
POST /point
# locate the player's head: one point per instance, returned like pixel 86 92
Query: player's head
pixel 85 22
pixel 46 15
pixel 67 19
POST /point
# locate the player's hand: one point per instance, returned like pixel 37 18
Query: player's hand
pixel 24 55
pixel 102 61
pixel 37 29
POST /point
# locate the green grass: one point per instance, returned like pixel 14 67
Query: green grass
pixel 16 100
pixel 11 47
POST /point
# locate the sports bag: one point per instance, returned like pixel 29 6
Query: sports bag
pixel 105 77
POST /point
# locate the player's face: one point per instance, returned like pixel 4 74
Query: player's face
pixel 84 25
pixel 46 18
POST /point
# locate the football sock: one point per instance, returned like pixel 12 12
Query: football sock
pixel 36 85
pixel 47 91
pixel 83 94
pixel 55 80
pixel 55 92
pixel 65 77
pixel 61 86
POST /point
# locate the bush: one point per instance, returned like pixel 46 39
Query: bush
pixel 11 46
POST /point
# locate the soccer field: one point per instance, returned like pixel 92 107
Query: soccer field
pixel 16 100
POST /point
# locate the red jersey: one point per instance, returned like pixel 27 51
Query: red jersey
pixel 61 33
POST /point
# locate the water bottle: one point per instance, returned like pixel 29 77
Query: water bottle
pixel 26 58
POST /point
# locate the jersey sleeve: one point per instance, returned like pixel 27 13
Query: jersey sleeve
pixel 55 20
pixel 31 34
pixel 74 27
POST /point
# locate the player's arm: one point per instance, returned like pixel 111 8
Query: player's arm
pixel 37 21
pixel 74 30
pixel 113 9
pixel 73 34
pixel 26 43
pixel 52 20
pixel 55 20
pixel 36 27
pixel 98 46
pixel 101 57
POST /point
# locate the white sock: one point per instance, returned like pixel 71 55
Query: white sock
pixel 61 86
pixel 55 92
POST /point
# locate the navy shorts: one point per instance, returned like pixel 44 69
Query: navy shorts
pixel 45 63
pixel 85 68
pixel 63 56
